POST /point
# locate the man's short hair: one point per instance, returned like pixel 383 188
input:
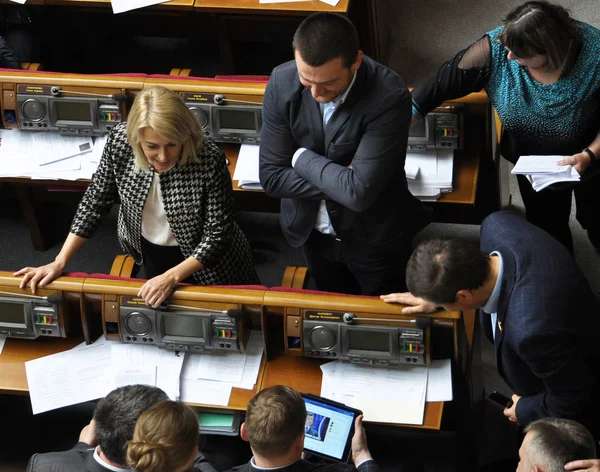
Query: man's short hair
pixel 440 267
pixel 274 420
pixel 555 441
pixel 116 415
pixel 323 37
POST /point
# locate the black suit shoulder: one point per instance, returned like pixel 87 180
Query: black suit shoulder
pixel 78 459
pixel 308 466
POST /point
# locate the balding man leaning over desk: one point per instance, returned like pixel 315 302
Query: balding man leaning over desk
pixel 333 147
pixel 537 309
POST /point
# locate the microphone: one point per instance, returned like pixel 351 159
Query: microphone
pixel 421 322
pixel 220 99
pixel 56 91
pixel 234 313
pixel 53 299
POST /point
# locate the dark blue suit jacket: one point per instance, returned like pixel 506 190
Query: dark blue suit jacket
pixel 308 466
pixel 369 203
pixel 547 349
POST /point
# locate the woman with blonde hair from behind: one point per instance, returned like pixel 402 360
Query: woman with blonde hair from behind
pixel 166 439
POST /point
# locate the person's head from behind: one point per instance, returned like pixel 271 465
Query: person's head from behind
pixel 166 438
pixel 274 424
pixel 538 34
pixel 550 443
pixel 327 55
pixel 162 130
pixel 448 272
pixel 116 416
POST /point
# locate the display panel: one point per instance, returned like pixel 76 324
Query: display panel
pixel 13 314
pixel 369 340
pixel 237 119
pixel 188 326
pixel 73 111
pixel 418 130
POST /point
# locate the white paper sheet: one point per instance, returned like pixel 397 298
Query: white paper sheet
pixel 246 169
pixel 205 392
pixel 221 366
pixel 333 3
pixel 539 165
pixel 439 382
pixel 254 354
pixel 390 395
pixel 120 6
pixel 2 341
pixel 22 2
pixel 69 377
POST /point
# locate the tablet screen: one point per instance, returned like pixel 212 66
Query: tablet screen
pixel 327 429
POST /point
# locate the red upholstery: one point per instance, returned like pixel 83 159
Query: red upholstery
pixel 244 78
pixel 316 292
pixel 182 77
pixel 47 72
pixel 79 275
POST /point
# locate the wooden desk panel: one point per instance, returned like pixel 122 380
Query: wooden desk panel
pixel 254 7
pixel 18 351
pixel 172 4
pixel 305 375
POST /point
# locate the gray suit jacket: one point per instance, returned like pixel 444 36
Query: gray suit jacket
pixel 368 203
pixel 81 459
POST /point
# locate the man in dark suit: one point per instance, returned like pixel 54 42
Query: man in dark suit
pixel 103 443
pixel 536 307
pixel 274 427
pixel 333 148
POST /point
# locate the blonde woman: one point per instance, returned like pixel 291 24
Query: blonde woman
pixel 165 439
pixel 176 214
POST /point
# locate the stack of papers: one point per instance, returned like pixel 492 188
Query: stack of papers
pixel 543 171
pixel 387 394
pixel 207 379
pixel 49 156
pixel 87 373
pixel 429 173
pixel 246 169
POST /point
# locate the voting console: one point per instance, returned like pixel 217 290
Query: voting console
pixel 52 312
pixel 361 330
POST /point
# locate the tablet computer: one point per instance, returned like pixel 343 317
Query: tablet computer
pixel 329 428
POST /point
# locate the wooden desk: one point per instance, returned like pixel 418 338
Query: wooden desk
pixel 305 375
pixel 18 351
pixel 246 7
pixel 13 379
pixel 172 4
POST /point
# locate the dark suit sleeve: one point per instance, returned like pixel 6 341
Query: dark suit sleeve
pixel 554 359
pixel 201 464
pixel 381 149
pixel 8 59
pixel 277 147
pixel 369 466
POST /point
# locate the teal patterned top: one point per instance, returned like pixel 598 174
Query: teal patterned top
pixel 560 118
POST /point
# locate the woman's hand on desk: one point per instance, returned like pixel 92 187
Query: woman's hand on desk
pixel 157 289
pixel 417 305
pixel 39 276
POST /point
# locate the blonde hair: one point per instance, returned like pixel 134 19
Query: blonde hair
pixel 164 438
pixel 165 112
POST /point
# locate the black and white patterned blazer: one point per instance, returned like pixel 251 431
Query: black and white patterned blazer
pixel 198 201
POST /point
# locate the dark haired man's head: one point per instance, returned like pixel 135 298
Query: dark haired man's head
pixel 116 415
pixel 274 424
pixel 550 443
pixel 327 55
pixel 448 272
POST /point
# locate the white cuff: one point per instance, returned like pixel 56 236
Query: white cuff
pixel 361 463
pixel 297 154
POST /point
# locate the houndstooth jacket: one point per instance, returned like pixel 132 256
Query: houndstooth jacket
pixel 198 201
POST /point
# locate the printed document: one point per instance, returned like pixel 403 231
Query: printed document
pixel 246 169
pixel 2 341
pixel 121 6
